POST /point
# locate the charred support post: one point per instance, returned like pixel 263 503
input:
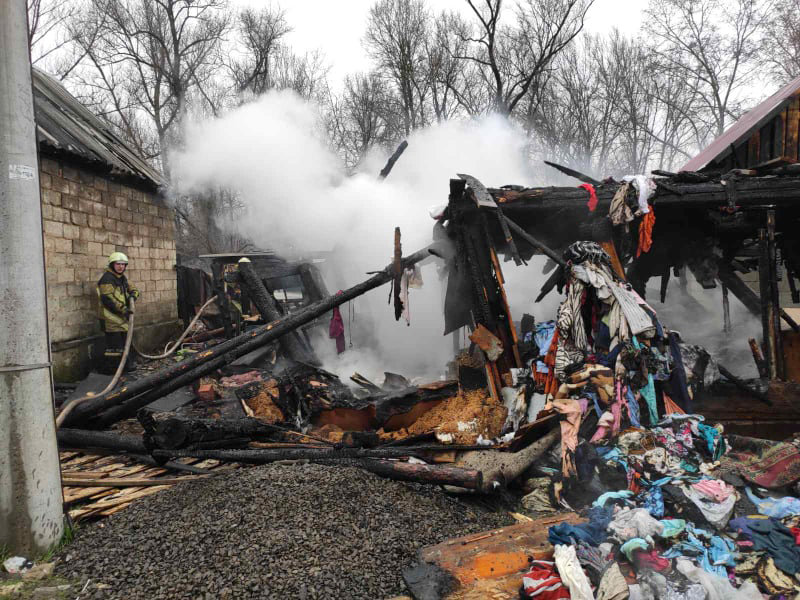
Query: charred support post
pixel 726 310
pixel 770 347
pixel 218 286
pixel 147 389
pixel 291 345
pixel 774 294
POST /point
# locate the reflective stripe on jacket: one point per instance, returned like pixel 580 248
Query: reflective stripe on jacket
pixel 113 291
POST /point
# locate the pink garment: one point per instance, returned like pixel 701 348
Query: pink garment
pixel 713 489
pixel 604 424
pixel 336 330
pixel 571 409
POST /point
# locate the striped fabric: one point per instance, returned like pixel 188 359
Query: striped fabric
pixel 542 582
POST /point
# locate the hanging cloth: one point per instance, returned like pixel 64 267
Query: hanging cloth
pixel 646 187
pixel 592 203
pixel 336 330
pixel 646 232
pixel 619 212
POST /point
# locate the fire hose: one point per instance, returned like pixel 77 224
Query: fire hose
pixel 114 380
pixel 176 345
pixel 121 367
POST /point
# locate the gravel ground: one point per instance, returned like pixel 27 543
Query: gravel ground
pixel 295 531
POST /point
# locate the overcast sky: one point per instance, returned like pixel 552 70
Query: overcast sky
pixel 337 27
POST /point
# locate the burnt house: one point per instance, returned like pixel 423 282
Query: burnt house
pixel 98 197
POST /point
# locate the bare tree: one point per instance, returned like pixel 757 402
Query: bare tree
pixel 149 57
pixel 454 84
pixel 260 33
pixel 513 58
pixel 395 38
pixel 361 118
pixel 713 45
pixel 783 41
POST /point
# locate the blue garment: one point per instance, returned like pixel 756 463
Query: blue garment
pixel 678 378
pixel 633 406
pixel 773 536
pixel 593 532
pixel 775 507
pixel 713 553
pixel 653 501
pixel 621 495
pixel 713 439
pixel 592 395
pixel 648 392
pixel 672 527
pixel 543 336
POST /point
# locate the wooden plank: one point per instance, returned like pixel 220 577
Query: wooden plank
pixel 767 142
pixel 125 498
pixel 778 134
pixel 496 554
pixel 73 495
pixel 128 482
pixel 79 461
pixel 792 126
pixel 754 149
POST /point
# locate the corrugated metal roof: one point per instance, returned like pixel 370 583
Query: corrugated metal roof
pixel 744 127
pixel 63 124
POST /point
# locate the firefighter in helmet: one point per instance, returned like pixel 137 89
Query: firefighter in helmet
pixel 113 293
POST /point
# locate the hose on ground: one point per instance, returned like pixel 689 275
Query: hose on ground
pixel 114 380
pixel 176 345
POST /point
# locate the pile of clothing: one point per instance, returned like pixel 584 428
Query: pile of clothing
pixel 673 507
pixel 676 521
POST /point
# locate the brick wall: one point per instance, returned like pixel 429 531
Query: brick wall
pixel 86 217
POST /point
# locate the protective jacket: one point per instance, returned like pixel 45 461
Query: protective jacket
pixel 113 291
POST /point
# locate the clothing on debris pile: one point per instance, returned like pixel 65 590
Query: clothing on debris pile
pixel 572 574
pixel 668 514
pixel 773 537
pixel 775 507
pixel 542 582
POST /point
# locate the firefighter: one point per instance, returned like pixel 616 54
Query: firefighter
pixel 114 308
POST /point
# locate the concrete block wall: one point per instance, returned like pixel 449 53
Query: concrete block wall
pixel 86 217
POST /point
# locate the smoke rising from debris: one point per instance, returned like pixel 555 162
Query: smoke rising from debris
pixel 299 200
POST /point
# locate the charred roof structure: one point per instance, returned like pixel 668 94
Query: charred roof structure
pixel 65 127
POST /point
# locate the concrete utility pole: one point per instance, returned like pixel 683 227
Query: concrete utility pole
pixel 31 515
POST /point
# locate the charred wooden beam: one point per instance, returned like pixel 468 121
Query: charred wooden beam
pixel 268 455
pixel 572 173
pixel 405 471
pixel 179 432
pixel 781 192
pixel 541 246
pixel 81 438
pixel 291 344
pixel 743 386
pixel 155 385
pixel 393 159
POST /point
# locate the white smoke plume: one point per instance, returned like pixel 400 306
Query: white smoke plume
pixel 299 199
